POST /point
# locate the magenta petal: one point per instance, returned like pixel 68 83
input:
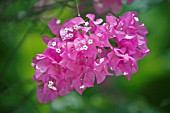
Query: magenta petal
pixel 100 77
pixel 70 45
pixel 43 65
pixel 38 73
pixel 90 16
pixel 54 26
pixel 72 55
pixel 128 77
pixel 45 97
pixel 70 65
pixel 77 85
pixel 89 79
pixel 46 39
pixel 142 29
pixel 34 62
pixel 111 20
pixel 55 71
pixel 63 62
pixel 65 87
pixel 77 20
pixel 85 29
pixel 99 21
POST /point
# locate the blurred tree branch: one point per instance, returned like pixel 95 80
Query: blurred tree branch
pixel 31 10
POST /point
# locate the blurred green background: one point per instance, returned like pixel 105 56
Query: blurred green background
pixel 24 22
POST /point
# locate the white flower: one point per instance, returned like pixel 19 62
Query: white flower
pixel 58 21
pixel 58 50
pixel 85 47
pixel 53 43
pixel 82 87
pixel 125 73
pixel 75 26
pixel 90 41
pixel 136 18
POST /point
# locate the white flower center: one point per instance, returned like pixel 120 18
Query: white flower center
pixel 136 18
pixel 53 43
pixel 65 30
pixel 75 26
pixel 63 45
pixel 50 83
pixel 125 73
pixel 58 21
pixel 58 50
pixel 82 87
pixel 85 47
pixel 90 41
pixel 70 35
pixel 86 23
pixel 99 50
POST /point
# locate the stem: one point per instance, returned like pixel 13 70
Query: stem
pixel 78 12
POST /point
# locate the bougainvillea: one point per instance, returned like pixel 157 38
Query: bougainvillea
pixel 84 51
pixel 115 6
pixel 102 6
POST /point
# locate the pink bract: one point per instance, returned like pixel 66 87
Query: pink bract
pixel 115 6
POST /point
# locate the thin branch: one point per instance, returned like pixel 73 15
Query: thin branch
pixel 78 12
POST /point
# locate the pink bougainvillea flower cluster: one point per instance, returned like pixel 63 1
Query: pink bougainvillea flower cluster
pixel 84 51
pixel 102 6
pixel 115 6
